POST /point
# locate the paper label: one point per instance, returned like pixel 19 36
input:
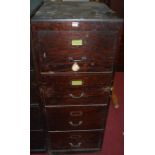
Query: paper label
pixel 76 82
pixel 77 42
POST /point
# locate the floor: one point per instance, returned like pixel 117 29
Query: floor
pixel 114 132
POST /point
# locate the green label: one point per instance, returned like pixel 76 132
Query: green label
pixel 77 82
pixel 76 42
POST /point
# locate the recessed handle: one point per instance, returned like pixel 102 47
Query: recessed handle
pixel 83 58
pixel 75 124
pixel 76 97
pixel 76 113
pixel 75 136
pixel 75 145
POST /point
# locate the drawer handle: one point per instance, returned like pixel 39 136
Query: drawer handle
pixel 75 145
pixel 75 124
pixel 76 113
pixel 73 96
pixel 108 89
pixel 75 136
pixel 77 60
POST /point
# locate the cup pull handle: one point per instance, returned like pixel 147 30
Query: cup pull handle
pixel 75 145
pixel 75 124
pixel 73 96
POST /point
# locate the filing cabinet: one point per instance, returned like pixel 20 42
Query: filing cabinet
pixel 74 46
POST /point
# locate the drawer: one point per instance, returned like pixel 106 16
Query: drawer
pixel 76 117
pixel 78 140
pixel 93 50
pixel 36 118
pixel 76 89
pixel 37 141
pixel 65 81
pixel 76 96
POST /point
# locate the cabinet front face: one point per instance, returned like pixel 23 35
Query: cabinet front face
pixel 93 50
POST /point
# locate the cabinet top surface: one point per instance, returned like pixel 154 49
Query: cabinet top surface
pixel 74 10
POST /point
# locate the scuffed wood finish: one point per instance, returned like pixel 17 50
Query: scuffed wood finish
pixel 58 90
pixel 76 118
pixel 86 99
pixel 56 52
pixel 64 82
pixel 74 10
pixel 83 25
pixel 75 141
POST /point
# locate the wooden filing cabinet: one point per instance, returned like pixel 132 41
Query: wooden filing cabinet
pixel 74 46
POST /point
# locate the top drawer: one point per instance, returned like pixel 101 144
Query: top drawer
pixel 93 50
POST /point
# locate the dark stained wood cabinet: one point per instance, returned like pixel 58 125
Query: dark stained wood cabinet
pixel 37 131
pixel 74 50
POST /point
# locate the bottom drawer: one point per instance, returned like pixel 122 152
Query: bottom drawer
pixel 74 141
pixel 37 141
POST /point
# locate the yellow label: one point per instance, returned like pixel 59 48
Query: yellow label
pixel 77 82
pixel 77 42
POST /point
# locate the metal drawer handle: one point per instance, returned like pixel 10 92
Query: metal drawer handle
pixel 76 113
pixel 75 145
pixel 77 60
pixel 75 124
pixel 73 96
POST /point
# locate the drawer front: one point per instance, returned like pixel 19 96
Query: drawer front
pixel 36 120
pixel 93 50
pixel 76 89
pixel 79 99
pixel 37 141
pixel 75 140
pixel 74 81
pixel 77 117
